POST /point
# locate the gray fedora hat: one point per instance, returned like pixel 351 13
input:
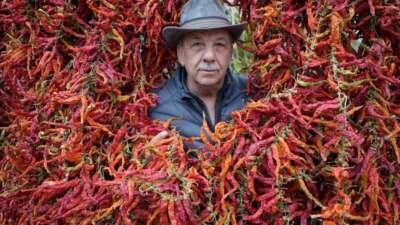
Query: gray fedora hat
pixel 201 15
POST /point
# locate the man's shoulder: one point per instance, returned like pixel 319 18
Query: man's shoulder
pixel 239 80
pixel 242 80
pixel 168 97
pixel 238 84
pixel 235 95
pixel 168 91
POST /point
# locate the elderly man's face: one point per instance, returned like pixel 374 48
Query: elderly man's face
pixel 206 56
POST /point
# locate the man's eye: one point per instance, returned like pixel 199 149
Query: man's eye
pixel 195 44
pixel 221 44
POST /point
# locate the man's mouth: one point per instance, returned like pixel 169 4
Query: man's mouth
pixel 209 71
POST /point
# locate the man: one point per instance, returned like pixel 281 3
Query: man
pixel 203 85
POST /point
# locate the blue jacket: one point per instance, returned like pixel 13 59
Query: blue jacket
pixel 175 100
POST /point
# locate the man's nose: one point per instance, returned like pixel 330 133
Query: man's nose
pixel 209 55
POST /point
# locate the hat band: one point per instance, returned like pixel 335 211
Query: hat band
pixel 206 23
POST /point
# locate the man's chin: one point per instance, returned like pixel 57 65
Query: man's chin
pixel 210 84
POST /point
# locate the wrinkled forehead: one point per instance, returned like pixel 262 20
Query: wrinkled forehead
pixel 208 35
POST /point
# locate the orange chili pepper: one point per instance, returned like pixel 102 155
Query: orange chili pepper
pixel 171 212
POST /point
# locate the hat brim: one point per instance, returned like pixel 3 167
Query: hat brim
pixel 172 34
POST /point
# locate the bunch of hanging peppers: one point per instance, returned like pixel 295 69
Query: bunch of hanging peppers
pixel 318 144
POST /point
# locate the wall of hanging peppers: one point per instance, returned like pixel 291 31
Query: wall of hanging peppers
pixel 319 143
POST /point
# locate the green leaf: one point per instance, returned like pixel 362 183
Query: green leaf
pixel 356 44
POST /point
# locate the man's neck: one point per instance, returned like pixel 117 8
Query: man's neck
pixel 203 92
pixel 208 96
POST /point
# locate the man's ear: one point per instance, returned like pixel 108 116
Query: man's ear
pixel 179 54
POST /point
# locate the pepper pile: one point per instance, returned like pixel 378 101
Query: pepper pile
pixel 318 145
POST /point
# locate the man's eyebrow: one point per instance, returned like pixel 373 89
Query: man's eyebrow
pixel 222 39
